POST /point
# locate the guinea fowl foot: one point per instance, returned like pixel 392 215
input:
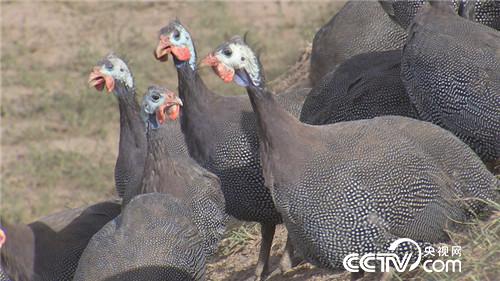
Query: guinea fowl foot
pixel 262 269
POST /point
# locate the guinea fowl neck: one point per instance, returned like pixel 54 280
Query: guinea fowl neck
pixel 197 113
pixel 157 151
pixel 276 126
pixel 161 173
pixel 193 92
pixel 132 133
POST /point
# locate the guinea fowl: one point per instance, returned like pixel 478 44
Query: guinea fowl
pixel 179 176
pixel 221 135
pixel 486 12
pixel 359 27
pixel 49 249
pixel 354 187
pixel 153 239
pixel 451 71
pixel 114 73
pixel 364 86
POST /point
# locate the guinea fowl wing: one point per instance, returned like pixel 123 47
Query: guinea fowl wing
pixel 450 69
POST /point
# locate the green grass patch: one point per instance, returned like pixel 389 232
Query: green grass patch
pixel 47 179
pixel 237 238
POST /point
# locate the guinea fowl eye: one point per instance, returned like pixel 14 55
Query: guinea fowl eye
pixel 108 66
pixel 227 52
pixel 177 34
pixel 156 97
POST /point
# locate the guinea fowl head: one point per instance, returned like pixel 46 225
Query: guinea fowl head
pixel 109 72
pixel 174 39
pixel 235 61
pixel 159 104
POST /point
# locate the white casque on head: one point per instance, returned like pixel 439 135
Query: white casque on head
pixel 240 56
pixel 118 69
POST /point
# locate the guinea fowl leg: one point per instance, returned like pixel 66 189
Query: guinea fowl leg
pixel 357 275
pixel 267 233
pixel 288 260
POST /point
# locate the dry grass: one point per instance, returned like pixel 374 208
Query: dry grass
pixel 59 138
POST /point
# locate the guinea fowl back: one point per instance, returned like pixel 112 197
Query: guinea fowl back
pixel 359 27
pixel 293 100
pixel 451 71
pixel 153 239
pixel 49 249
pixel 364 86
pixel 486 12
pixel 376 180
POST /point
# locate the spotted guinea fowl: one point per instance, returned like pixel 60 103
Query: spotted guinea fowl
pixel 364 86
pixel 220 132
pixel 49 248
pixel 154 238
pixel 451 70
pixel 359 27
pixel 486 12
pixel 179 176
pixel 114 74
pixel 354 187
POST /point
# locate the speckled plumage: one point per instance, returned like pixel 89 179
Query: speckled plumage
pixel 181 177
pixel 49 249
pixel 403 12
pixel 359 27
pixel 153 239
pixel 292 100
pixel 226 144
pixel 486 12
pixel 451 71
pixel 364 86
pixel 356 186
pixel 220 132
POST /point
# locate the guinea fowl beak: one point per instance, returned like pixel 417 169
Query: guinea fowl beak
pixel 225 72
pixel 98 80
pixel 163 49
pixel 170 108
pixel 3 237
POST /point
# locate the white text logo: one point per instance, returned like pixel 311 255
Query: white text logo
pixel 384 261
